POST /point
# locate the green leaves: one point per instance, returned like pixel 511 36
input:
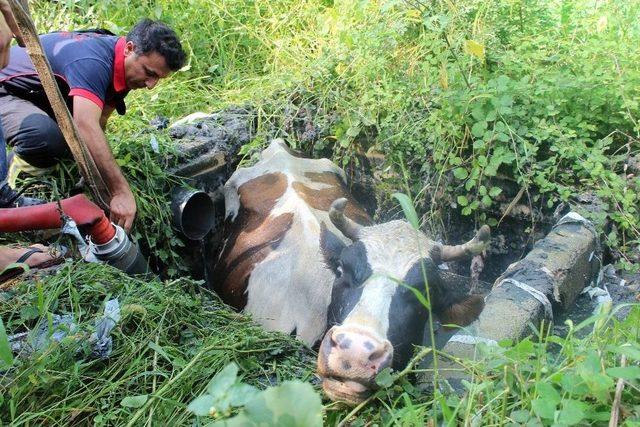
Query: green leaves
pixel 408 209
pixel 631 350
pixel 385 378
pixel 462 201
pixel 598 383
pixel 6 356
pixel 549 405
pixel 495 192
pixel 134 401
pixel 293 403
pixel 224 392
pixel 460 173
pixel 478 129
pixel 572 412
pixel 221 383
pixel 626 372
pixel 202 405
pixel 545 405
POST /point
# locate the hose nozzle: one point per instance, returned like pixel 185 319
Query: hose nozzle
pixel 122 253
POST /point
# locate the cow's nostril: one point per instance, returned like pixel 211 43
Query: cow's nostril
pixel 376 355
pixel 345 344
pixel 381 352
pixel 336 339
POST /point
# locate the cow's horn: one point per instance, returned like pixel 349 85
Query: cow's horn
pixel 348 227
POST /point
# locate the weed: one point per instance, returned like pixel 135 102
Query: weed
pixel 172 338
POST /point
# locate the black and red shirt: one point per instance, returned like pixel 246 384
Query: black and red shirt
pixel 86 64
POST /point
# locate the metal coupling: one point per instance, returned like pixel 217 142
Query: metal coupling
pixel 122 253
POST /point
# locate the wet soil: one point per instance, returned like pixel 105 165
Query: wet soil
pixel 620 291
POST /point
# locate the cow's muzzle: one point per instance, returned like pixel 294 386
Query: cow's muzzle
pixel 349 360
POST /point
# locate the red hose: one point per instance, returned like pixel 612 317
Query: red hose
pixel 89 218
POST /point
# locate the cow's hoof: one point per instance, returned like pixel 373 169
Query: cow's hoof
pixel 480 241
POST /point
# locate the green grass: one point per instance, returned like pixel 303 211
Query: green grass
pixel 172 338
pixel 547 100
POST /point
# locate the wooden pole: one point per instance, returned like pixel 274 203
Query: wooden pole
pixel 79 150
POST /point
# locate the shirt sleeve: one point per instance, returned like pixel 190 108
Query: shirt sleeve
pixel 88 78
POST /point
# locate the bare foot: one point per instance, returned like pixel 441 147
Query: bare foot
pixel 9 255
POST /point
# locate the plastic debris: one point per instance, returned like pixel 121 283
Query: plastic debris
pixel 101 341
pixel 601 296
pixel 159 122
pixel 59 327
pixel 70 228
pixel 154 144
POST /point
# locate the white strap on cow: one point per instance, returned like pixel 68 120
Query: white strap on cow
pixel 472 340
pixel 542 298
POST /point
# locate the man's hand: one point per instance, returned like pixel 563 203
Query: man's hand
pixel 8 30
pixel 86 116
pixel 123 209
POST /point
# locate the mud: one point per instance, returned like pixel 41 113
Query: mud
pixel 619 290
pixel 208 145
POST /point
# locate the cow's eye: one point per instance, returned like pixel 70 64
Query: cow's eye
pixel 339 270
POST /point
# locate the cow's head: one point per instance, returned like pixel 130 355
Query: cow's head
pixel 376 315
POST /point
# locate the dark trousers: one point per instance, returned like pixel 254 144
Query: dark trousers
pixel 32 133
pixel 3 157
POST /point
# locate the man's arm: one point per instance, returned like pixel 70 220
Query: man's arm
pixel 87 117
pixel 8 29
pixel 106 113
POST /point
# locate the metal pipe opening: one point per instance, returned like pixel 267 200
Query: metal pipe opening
pixel 193 212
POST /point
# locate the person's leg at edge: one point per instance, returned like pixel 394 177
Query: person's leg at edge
pixel 40 254
pixel 9 255
pixel 8 196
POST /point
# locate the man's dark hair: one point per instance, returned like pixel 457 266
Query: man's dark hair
pixel 155 36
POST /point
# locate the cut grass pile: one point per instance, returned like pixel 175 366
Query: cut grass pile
pixel 172 338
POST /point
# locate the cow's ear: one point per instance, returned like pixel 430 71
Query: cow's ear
pixel 331 247
pixel 463 312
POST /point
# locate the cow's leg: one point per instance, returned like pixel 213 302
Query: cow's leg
pixel 473 247
pixel 477 265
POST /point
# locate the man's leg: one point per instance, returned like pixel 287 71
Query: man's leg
pixel 3 157
pixel 8 197
pixel 35 137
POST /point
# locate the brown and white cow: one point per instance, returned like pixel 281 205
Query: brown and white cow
pixel 301 257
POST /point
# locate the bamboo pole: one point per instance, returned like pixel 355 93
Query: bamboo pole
pixel 79 150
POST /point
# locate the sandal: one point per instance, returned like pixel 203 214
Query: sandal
pixel 20 266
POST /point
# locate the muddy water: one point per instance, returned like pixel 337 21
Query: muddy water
pixel 621 292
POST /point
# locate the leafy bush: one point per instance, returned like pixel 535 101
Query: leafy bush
pixel 292 403
pixel 543 94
